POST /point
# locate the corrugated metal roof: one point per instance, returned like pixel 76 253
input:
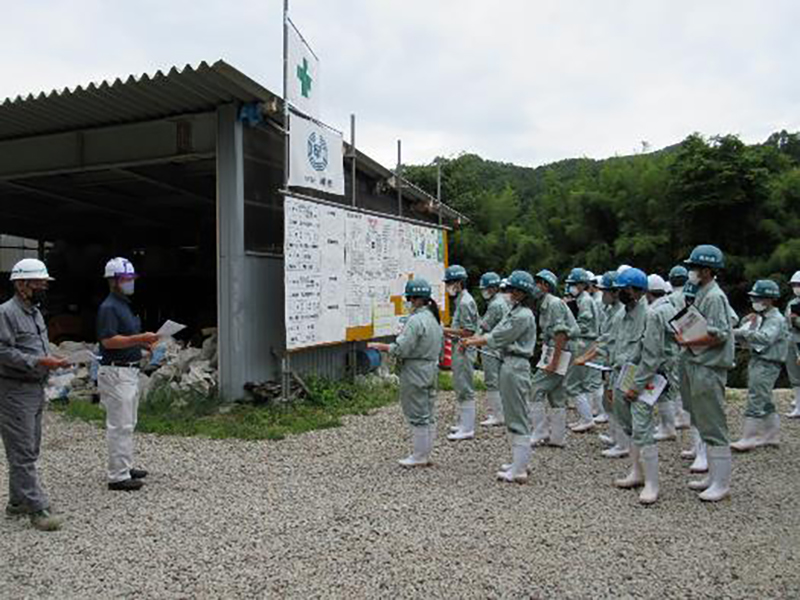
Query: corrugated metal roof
pixel 190 90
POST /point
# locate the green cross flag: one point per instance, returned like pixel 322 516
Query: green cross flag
pixel 302 89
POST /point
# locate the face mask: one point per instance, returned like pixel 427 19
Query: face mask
pixel 759 307
pixel 487 295
pixel 127 287
pixel 574 291
pixel 452 290
pixel 625 297
pixel 506 297
pixel 796 290
pixel 694 277
pixel 38 297
pixel 538 293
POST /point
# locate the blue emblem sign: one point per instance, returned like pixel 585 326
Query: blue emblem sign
pixel 317 152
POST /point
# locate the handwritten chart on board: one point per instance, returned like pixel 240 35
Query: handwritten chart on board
pixel 345 272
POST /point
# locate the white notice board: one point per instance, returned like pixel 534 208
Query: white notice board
pixel 345 272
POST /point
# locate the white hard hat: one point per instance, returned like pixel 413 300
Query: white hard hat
pixel 622 268
pixel 656 283
pixel 590 275
pixel 119 267
pixel 30 268
pixel 795 278
pixel 670 289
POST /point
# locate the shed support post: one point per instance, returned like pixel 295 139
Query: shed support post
pixel 231 303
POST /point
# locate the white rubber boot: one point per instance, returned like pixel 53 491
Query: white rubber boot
pixel 421 455
pixel 682 418
pixel 636 477
pixel 518 471
pixel 771 432
pixel 601 415
pixel 495 410
pixel 609 439
pixel 795 413
pixel 558 428
pixel 622 445
pixel 649 455
pixel 584 409
pixel 666 426
pixel 719 459
pixel 751 436
pixel 700 464
pixel 539 424
pixel 431 440
pixel 691 453
pixel 467 429
pixel 459 418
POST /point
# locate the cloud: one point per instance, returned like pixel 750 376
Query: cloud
pixel 528 82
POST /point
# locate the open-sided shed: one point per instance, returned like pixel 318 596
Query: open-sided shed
pixel 181 171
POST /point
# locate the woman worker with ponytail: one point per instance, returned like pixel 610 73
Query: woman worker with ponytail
pixel 417 350
pixel 515 338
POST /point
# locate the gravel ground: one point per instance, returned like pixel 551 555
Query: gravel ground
pixel 331 514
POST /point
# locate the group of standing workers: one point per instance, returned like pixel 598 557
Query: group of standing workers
pixel 25 363
pixel 605 346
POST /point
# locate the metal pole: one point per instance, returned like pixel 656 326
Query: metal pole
pixel 439 188
pixel 286 362
pixel 397 179
pixel 353 162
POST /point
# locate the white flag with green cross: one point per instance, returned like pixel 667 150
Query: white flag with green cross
pixel 302 76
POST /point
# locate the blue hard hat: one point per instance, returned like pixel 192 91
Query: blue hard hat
pixel 765 288
pixel 549 278
pixel 678 272
pixel 455 273
pixel 490 279
pixel 607 282
pixel 521 280
pixel 706 255
pixel 632 277
pixel 577 275
pixel 418 288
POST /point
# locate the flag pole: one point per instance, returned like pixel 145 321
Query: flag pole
pixel 353 162
pixel 397 179
pixel 286 367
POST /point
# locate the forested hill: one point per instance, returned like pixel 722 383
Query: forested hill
pixel 647 210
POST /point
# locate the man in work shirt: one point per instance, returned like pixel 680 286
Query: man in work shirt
pixel 657 354
pixel 121 343
pixel 579 382
pixel 677 279
pixel 25 362
pixel 496 309
pixel 708 360
pixel 463 325
pixel 558 326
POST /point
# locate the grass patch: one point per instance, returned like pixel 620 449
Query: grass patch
pixel 446 382
pixel 167 412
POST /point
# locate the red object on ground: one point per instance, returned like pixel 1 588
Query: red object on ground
pixel 447 355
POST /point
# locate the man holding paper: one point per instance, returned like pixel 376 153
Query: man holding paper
pixel 121 341
pixel 558 327
pixel 708 358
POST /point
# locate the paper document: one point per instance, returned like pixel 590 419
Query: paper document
pixel 81 357
pixel 169 329
pixel 691 325
pixel 547 357
pixel 598 366
pixel 652 390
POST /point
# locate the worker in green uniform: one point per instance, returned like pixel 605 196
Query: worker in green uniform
pixel 417 350
pixel 558 327
pixel 496 309
pixel 793 352
pixel 578 382
pixel 697 451
pixel 766 334
pixel 515 339
pixel 708 360
pixel 661 303
pixel 677 279
pixel 464 324
pixel 657 352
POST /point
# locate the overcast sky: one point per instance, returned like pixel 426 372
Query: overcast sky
pixel 523 81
